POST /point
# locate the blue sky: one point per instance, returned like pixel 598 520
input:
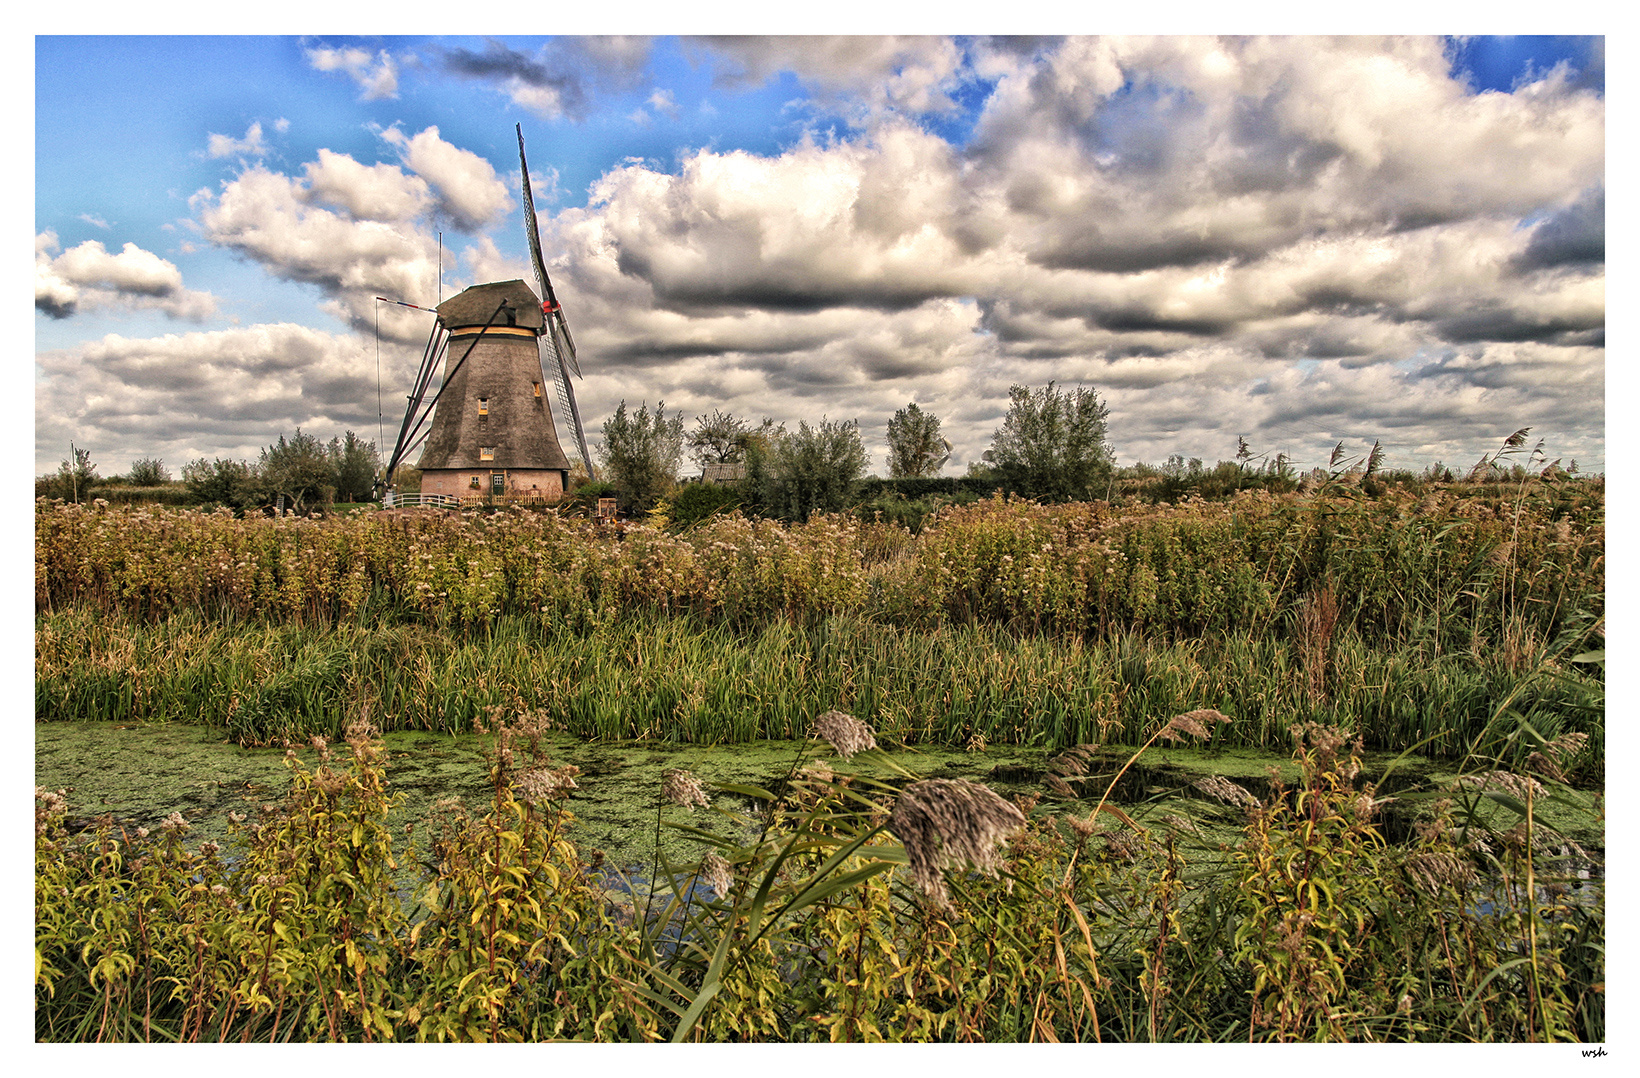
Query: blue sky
pixel 1293 240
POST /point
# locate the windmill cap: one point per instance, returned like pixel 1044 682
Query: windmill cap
pixel 475 306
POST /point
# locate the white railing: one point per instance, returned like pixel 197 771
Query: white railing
pixel 394 500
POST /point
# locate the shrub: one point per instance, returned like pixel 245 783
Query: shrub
pixel 694 502
pixel 810 471
pixel 149 473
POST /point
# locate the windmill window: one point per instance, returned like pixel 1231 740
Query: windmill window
pixel 474 483
pixel 483 406
pixel 486 452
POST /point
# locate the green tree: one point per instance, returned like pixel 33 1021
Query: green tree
pixel 299 469
pixel 717 439
pixel 149 472
pixel 915 447
pixel 1052 444
pixel 642 453
pixel 74 480
pixel 226 482
pixel 354 463
pixel 809 471
pixel 721 438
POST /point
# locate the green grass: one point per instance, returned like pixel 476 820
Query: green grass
pixel 685 679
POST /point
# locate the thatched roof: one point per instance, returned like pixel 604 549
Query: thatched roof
pixel 474 306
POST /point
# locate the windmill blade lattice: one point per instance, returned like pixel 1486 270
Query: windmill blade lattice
pixel 557 346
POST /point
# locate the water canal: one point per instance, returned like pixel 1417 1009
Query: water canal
pixel 140 773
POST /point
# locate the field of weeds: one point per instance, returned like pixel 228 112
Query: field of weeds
pixel 1405 619
pixel 1461 623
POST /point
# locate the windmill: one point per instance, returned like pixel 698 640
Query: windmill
pixel 488 429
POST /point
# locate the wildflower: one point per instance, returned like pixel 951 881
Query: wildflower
pixel 945 822
pixel 846 734
pixel 682 788
pixel 209 849
pixel 361 729
pixel 236 817
pixel 174 822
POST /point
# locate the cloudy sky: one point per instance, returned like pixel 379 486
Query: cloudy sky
pixel 1294 240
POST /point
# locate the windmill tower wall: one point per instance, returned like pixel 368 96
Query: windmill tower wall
pixel 492 431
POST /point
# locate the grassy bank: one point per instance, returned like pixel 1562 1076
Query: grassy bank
pixel 685 679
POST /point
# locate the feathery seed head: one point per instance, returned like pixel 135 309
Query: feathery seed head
pixel 682 788
pixel 540 784
pixel 945 822
pixel 1222 789
pixel 1195 723
pixel 846 734
pixel 716 872
pixel 1435 869
pixel 1519 786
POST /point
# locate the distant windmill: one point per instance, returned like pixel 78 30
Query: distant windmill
pixel 492 431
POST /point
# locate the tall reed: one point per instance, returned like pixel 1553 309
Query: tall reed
pixel 686 679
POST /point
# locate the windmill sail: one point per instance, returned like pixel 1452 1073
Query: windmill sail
pixel 557 346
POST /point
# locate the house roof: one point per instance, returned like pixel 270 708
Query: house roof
pixel 724 472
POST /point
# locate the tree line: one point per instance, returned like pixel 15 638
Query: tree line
pixel 1052 444
pixel 300 472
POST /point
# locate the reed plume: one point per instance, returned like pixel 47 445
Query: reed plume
pixel 1222 789
pixel 683 789
pixel 846 734
pixel 946 822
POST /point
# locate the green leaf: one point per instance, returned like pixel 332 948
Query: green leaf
pixel 692 1015
pixel 745 791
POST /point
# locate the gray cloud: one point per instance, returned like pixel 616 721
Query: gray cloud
pixel 861 75
pixel 561 78
pixel 1577 234
pixel 89 275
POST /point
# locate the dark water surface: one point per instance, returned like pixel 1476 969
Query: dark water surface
pixel 141 773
